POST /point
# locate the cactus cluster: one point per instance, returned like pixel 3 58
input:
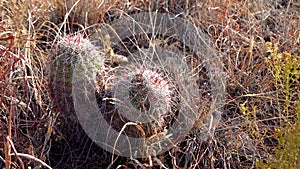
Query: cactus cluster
pixel 149 91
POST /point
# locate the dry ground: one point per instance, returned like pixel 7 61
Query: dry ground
pixel 258 42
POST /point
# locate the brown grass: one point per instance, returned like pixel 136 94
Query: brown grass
pixel 33 134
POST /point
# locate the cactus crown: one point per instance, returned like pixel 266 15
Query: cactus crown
pixel 150 83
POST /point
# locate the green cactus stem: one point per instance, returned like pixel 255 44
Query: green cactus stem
pixel 70 51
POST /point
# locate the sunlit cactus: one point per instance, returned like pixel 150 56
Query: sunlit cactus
pixel 154 92
pixel 150 91
pixel 70 52
pixel 147 95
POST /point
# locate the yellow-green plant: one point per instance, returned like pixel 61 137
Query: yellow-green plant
pixel 285 67
pixel 286 71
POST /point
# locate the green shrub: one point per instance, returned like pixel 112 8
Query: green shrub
pixel 286 72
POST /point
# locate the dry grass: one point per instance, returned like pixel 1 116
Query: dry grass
pixel 261 99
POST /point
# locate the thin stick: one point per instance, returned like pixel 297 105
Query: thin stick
pixel 30 157
pixel 15 151
pixel 18 155
pixel 123 128
pixel 7 143
pixel 2 159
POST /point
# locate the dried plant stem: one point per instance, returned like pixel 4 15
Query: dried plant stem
pixel 15 152
pixel 7 144
pixel 30 157
pixel 122 130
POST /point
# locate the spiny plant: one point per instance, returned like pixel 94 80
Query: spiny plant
pixel 150 93
pixel 70 52
pixel 150 85
pixel 154 93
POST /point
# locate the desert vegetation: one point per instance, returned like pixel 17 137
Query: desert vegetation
pixel 257 44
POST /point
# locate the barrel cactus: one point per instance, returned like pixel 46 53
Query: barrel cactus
pixel 148 97
pixel 70 51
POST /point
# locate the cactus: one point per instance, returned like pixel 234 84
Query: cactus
pixel 70 51
pixel 144 95
pixel 152 87
pixel 150 91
